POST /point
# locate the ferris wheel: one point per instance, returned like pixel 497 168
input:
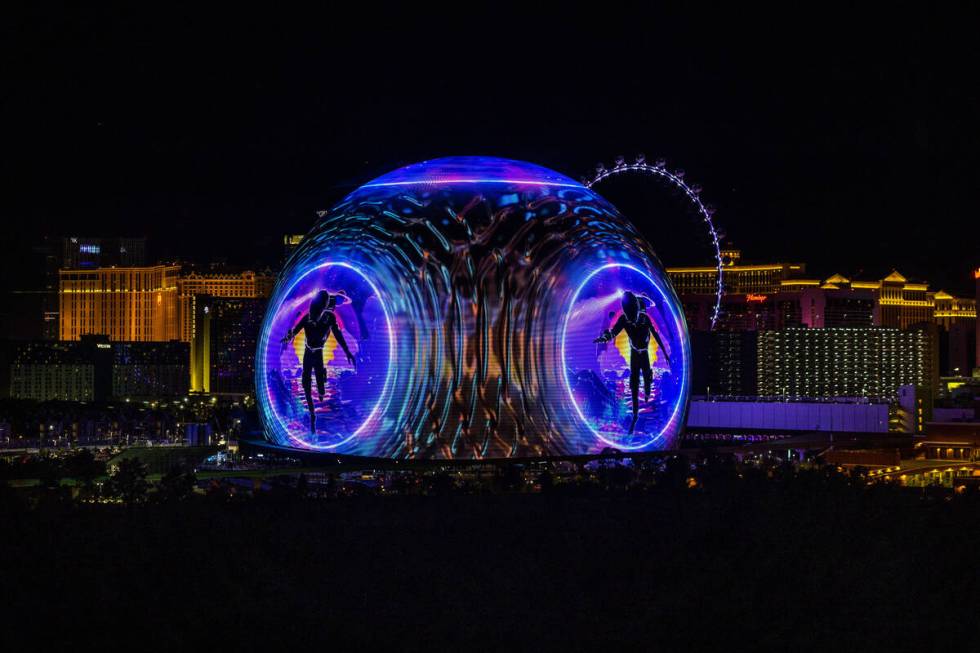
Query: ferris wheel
pixel 675 178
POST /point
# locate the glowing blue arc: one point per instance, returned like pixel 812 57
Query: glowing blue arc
pixel 515 182
pixel 679 402
pixel 448 171
pixel 385 394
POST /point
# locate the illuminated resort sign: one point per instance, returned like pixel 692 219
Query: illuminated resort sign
pixel 470 308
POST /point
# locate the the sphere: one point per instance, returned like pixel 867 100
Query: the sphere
pixel 469 292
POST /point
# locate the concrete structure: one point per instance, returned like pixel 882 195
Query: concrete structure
pixel 850 416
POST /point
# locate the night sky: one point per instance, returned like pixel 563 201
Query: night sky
pixel 842 140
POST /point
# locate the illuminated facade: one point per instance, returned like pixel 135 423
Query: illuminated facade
pixel 246 284
pixel 749 301
pixel 737 279
pixel 61 371
pixel 150 369
pixel 900 302
pixel 951 311
pixel 223 347
pixel 125 304
pixel 788 417
pixel 774 296
pixel 725 363
pixel 896 301
pixel 95 369
pixel 835 362
pixel 243 285
pixel 450 310
pixel 812 306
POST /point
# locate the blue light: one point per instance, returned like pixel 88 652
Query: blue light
pixel 464 170
pixel 470 311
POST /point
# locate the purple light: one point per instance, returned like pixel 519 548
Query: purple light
pixel 473 170
pixel 285 312
pixel 519 182
pixel 672 424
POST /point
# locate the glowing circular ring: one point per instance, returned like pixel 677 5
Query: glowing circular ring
pixel 659 170
pixel 568 386
pixel 391 348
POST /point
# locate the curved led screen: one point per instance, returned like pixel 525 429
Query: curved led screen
pixel 473 307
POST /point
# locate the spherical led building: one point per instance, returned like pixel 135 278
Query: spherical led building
pixel 473 308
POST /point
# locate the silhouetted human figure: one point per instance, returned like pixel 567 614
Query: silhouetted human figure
pixel 318 323
pixel 639 327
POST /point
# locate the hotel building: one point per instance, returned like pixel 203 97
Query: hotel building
pixel 125 304
pixel 243 285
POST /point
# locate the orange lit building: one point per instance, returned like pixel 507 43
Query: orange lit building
pixel 125 304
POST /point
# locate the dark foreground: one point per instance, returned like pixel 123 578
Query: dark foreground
pixel 808 562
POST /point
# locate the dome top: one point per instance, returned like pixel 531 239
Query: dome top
pixel 473 170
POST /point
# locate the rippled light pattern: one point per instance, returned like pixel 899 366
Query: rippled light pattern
pixel 474 290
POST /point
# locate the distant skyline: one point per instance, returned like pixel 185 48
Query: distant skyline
pixel 848 142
